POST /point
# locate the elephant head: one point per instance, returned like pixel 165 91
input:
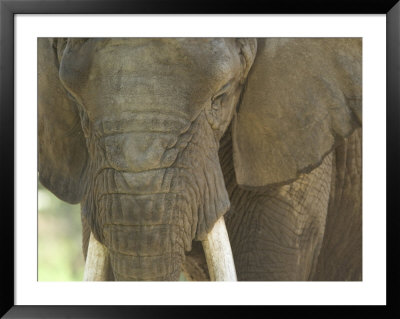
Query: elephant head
pixel 131 129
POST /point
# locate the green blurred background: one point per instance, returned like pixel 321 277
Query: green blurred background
pixel 60 256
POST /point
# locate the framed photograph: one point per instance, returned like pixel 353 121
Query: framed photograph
pixel 195 90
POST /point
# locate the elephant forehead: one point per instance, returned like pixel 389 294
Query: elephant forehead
pixel 209 57
pixel 200 60
pixel 139 73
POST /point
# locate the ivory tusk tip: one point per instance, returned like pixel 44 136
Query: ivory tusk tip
pixel 97 267
pixel 218 252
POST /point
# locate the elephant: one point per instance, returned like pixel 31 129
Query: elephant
pixel 224 158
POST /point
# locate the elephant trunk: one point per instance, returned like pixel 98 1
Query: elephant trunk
pixel 98 265
pixel 157 262
pixel 153 193
pixel 140 221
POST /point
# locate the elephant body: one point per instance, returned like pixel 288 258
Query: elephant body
pixel 309 229
pixel 160 138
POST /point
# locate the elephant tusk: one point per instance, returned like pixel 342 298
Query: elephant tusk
pixel 218 252
pixel 97 267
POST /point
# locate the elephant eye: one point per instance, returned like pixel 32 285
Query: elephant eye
pixel 216 101
pixel 218 97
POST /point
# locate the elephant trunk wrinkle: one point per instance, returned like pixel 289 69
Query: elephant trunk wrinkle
pixel 143 150
pixel 154 181
pixel 146 233
pixel 145 252
pixel 165 267
pixel 147 122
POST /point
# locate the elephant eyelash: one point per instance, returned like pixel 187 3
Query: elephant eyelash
pixel 221 93
pixel 216 101
pixel 217 97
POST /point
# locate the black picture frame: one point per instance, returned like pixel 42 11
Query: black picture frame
pixel 8 10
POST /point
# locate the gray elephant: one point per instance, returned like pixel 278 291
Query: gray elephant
pixel 161 140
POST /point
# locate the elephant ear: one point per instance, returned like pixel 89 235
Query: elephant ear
pixel 301 98
pixel 61 144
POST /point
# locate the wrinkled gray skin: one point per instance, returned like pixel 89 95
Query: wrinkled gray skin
pixel 159 138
